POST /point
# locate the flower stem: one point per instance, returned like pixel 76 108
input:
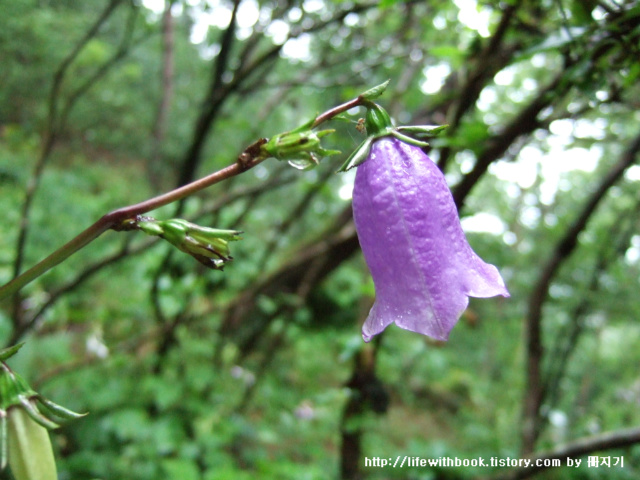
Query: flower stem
pixel 248 159
pixel 329 114
pixel 90 234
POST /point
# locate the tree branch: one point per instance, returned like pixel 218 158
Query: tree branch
pixel 247 160
pixel 622 229
pixel 252 156
pixel 567 244
pixel 52 130
pixel 526 122
pixel 213 101
pixel 162 116
pixel 577 448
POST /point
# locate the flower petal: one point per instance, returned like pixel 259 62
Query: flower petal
pixel 422 266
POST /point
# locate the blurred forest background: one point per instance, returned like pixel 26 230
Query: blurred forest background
pixel 260 371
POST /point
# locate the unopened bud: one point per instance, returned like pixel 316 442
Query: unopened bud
pixel 210 246
pixel 300 147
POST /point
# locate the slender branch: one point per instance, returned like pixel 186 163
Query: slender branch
pixel 84 275
pixel 252 156
pixel 54 125
pixel 89 82
pixel 534 392
pixel 127 251
pixel 62 69
pixel 622 230
pixel 524 123
pixel 227 41
pixel 169 327
pixel 318 259
pixel 296 213
pixel 482 67
pixel 582 446
pixel 162 116
pixel 216 96
pixel 248 159
pixel 219 92
pixel 367 394
pixel 274 345
pixel 329 114
pixel 491 59
pixel 52 130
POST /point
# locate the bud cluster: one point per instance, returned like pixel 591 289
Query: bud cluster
pixel 210 246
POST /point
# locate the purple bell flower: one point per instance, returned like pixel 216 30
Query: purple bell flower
pixel 422 265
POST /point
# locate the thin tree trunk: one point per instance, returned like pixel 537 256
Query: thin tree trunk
pixel 160 126
pixel 534 393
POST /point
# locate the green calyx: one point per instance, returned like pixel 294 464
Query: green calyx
pixel 16 392
pixel 378 124
pixel 377 121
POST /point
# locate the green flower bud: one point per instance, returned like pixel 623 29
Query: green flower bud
pixel 300 147
pixel 210 246
pixel 30 452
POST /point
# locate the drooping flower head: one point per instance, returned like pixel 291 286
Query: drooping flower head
pixel 407 223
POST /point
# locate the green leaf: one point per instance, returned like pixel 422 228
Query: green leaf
pixel 10 351
pixel 375 92
pixel 183 469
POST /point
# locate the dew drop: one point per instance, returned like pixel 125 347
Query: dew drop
pixel 302 164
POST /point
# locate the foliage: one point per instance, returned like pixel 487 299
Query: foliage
pixel 260 370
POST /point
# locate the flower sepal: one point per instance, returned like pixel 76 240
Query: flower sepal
pixel 378 124
pixel 358 156
pixel 422 130
pixel 8 352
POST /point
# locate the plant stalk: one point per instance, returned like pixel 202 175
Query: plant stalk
pixel 248 159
